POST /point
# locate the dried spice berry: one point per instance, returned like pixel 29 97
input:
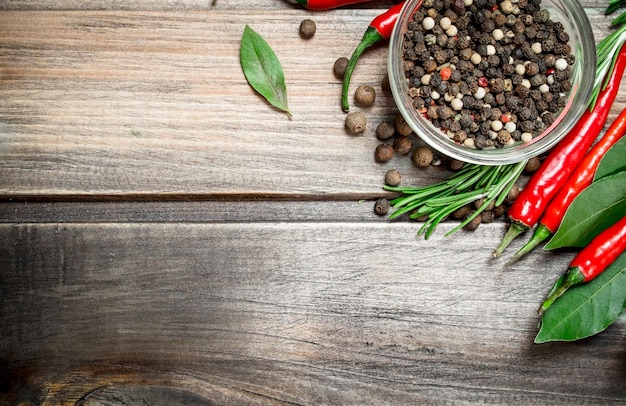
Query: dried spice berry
pixel 385 130
pixel 307 28
pixel 381 207
pixel 383 153
pixel 403 145
pixel 339 68
pixel 507 54
pixel 473 225
pixel 393 177
pixel 532 165
pixel 401 126
pixel 422 157
pixel 356 122
pixel 365 95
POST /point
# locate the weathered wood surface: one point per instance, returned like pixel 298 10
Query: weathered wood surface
pixel 109 103
pixel 319 313
pixel 166 237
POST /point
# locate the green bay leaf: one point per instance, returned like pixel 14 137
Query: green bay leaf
pixel 262 69
pixel 613 160
pixel 597 207
pixel 587 309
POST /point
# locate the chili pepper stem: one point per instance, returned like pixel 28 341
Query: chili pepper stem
pixel 542 233
pixel 573 277
pixel 370 37
pixel 514 230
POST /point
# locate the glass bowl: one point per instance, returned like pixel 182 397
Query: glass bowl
pixel 581 40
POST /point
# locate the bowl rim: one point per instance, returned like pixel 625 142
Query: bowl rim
pixel 507 155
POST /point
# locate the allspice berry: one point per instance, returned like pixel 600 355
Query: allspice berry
pixel 499 210
pixel 365 95
pixel 532 165
pixel 384 84
pixel 455 164
pixel 383 153
pixel 403 145
pixel 393 177
pixel 461 212
pixel 339 68
pixel 513 193
pixel 487 216
pixel 385 130
pixel 381 207
pixel 422 157
pixel 356 122
pixel 401 126
pixel 474 223
pixel 307 28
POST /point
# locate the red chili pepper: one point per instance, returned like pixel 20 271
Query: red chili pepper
pixel 327 4
pixel 579 180
pixel 379 29
pixel 591 261
pixel 560 163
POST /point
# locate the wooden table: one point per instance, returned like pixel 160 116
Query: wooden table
pixel 167 237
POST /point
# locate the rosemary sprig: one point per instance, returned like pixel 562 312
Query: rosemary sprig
pixel 606 54
pixel 471 183
pixel 614 5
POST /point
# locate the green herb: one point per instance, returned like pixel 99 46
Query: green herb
pixel 262 69
pixel 621 19
pixel 614 5
pixel 586 309
pixel 613 160
pixel 606 54
pixel 597 207
pixel 469 184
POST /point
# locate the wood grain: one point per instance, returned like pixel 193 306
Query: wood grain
pixel 334 313
pixel 154 103
pixel 166 237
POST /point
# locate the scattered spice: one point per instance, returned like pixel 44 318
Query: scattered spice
pixel 356 122
pixel 307 28
pixel 422 157
pixel 463 61
pixel 365 96
pixel 403 145
pixel 383 153
pixel 393 177
pixel 339 68
pixel 381 207
pixel 385 130
pixel 532 165
pixel 474 221
pixel 401 126
pixel 379 29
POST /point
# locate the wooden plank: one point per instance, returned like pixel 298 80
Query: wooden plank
pixel 188 211
pixel 285 313
pixel 163 5
pixel 101 104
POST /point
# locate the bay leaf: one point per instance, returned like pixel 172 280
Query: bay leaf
pixel 587 309
pixel 613 160
pixel 262 69
pixel 597 207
